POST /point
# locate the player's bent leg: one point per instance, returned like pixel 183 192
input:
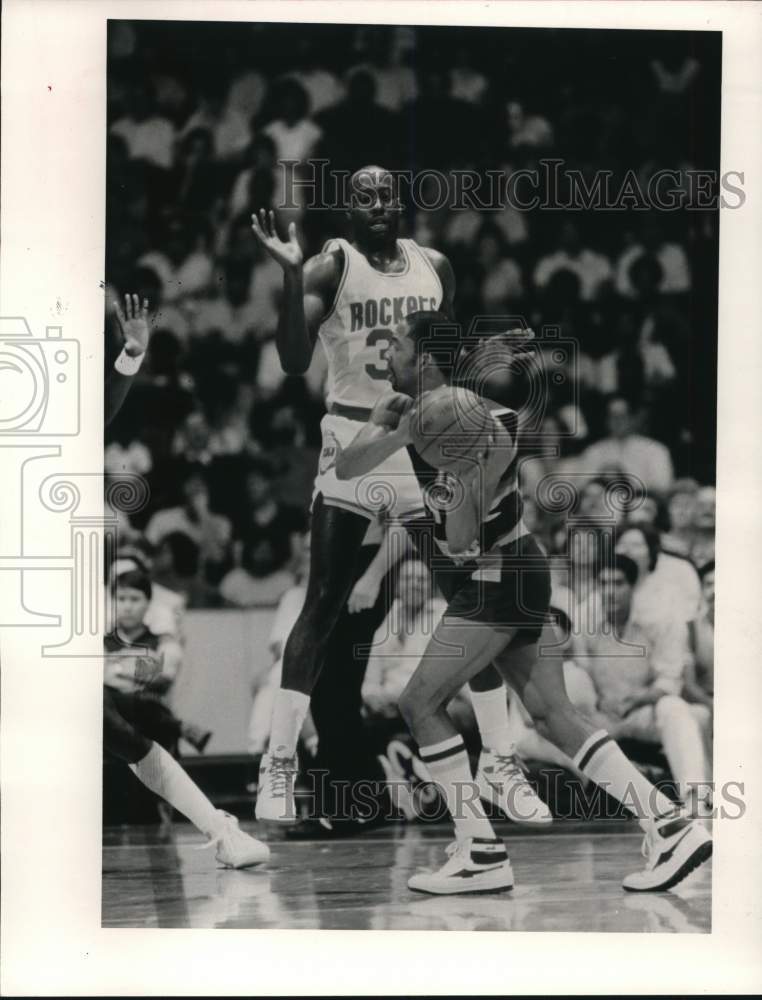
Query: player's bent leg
pixel 673 845
pixel 162 774
pixel 478 861
pixel 336 537
pixel 501 775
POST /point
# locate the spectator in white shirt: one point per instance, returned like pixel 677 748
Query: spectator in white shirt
pixel 664 580
pixel 629 453
pixel 149 136
pixel 211 532
pixel 182 270
pixel 295 135
pixel 591 268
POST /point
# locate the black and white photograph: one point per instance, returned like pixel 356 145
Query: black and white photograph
pixel 391 461
pixel 357 264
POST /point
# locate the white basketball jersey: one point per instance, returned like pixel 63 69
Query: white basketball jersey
pixel 357 332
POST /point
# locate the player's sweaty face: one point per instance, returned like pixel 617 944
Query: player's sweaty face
pixel 374 209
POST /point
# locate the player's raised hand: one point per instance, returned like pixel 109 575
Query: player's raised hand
pixel 287 253
pixel 133 324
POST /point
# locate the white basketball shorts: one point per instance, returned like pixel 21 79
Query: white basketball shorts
pixel 391 489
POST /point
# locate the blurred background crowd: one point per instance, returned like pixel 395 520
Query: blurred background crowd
pixel 198 121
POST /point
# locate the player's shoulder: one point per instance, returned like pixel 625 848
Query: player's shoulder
pixel 323 271
pixel 435 257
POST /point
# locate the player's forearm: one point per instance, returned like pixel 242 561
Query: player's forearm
pixel 118 383
pixel 364 453
pixel 292 339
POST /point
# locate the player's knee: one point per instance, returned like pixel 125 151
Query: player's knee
pixel 670 709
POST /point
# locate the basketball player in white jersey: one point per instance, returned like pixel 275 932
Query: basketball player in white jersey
pixel 353 296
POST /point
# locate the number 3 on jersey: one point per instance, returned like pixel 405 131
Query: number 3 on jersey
pixel 381 340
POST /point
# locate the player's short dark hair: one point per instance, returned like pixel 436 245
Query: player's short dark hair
pixel 134 579
pixel 625 565
pixel 706 568
pixel 435 334
pixel 651 536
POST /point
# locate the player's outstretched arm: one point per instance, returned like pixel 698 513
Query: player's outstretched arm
pixel 135 329
pixel 387 430
pixel 308 292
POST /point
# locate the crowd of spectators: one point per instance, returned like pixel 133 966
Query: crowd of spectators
pixel 199 117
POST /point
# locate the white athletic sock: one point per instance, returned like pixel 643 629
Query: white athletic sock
pixel 448 765
pixel 160 772
pixel 289 712
pixel 601 759
pixel 491 711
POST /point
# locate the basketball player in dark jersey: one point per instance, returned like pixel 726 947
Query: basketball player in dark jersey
pixel 498 595
pixel 149 761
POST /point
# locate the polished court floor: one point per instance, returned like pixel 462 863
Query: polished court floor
pixel 565 881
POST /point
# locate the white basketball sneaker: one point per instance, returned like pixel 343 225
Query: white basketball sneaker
pixel 502 781
pixel 275 794
pixel 236 849
pixel 673 847
pixel 475 864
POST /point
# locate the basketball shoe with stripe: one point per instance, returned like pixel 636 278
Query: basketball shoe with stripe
pixel 475 864
pixel 501 781
pixel 673 847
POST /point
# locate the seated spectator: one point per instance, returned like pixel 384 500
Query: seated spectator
pixel 140 667
pixel 395 84
pixel 292 130
pixel 268 532
pixel 227 125
pixel 256 185
pixel 664 580
pixel 675 269
pixel 632 695
pixel 149 136
pixel 501 279
pixel 182 270
pixel 591 268
pixel 702 546
pixel 627 452
pixel 699 682
pixel 398 645
pixel 176 569
pixel 211 532
pixel 466 82
pixel 681 506
pixel 322 86
pixel 639 697
pixel 527 131
pixel 194 182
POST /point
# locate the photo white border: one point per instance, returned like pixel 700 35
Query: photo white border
pixel 51 270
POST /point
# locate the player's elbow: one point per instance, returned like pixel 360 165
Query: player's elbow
pixel 294 365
